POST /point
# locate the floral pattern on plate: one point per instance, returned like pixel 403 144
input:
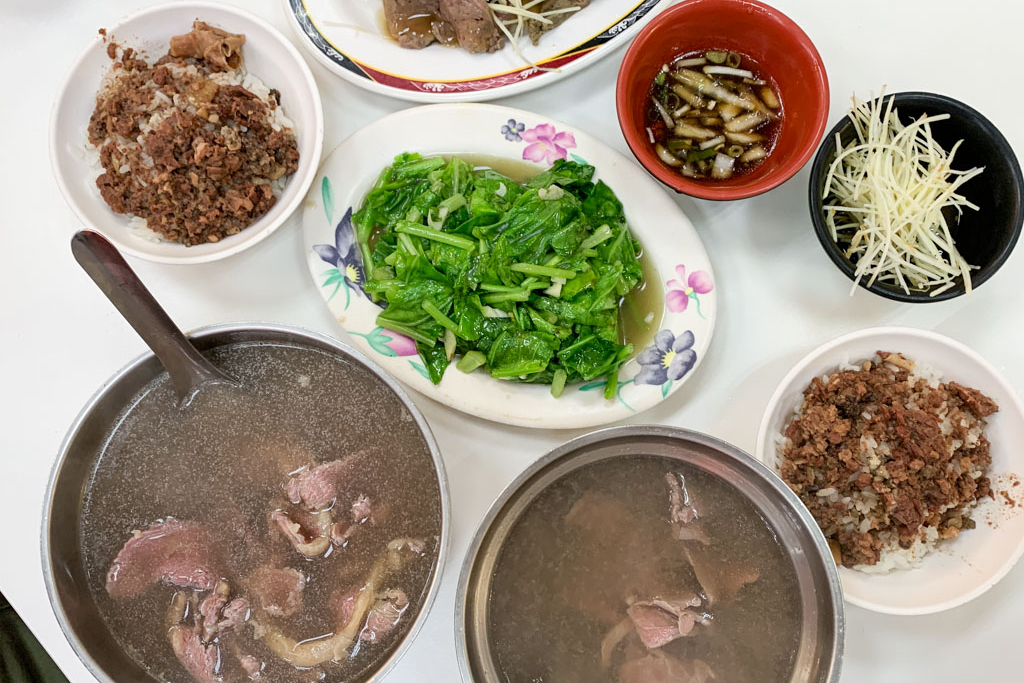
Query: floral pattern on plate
pixel 685 322
pixel 344 254
pixel 667 360
pixel 684 288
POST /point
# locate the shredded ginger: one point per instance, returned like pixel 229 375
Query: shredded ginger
pixel 511 17
pixel 889 195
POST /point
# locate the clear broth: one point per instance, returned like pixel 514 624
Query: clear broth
pixel 224 459
pixel 557 590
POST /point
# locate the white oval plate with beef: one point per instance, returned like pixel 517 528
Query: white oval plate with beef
pixel 959 569
pixel 676 259
pixel 351 39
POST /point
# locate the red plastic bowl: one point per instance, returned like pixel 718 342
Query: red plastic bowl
pixel 785 55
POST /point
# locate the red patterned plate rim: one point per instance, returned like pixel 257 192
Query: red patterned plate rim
pixel 519 79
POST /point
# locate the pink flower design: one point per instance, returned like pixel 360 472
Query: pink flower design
pixel 388 342
pixel 681 290
pixel 546 144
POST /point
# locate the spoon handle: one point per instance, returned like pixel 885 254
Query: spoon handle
pixel 188 369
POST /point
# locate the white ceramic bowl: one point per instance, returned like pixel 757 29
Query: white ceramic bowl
pixel 960 569
pixel 267 55
pixel 497 135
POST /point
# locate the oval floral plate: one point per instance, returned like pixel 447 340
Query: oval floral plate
pixel 674 250
pixel 349 38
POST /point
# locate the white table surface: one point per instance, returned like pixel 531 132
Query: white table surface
pixel 780 296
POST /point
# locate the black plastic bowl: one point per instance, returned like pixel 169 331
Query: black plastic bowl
pixel 985 237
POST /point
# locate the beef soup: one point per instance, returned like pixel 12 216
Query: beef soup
pixel 272 531
pixel 643 569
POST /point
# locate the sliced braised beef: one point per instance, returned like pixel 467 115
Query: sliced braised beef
pixel 473 24
pixel 184 554
pixel 416 23
pixel 278 590
pixel 660 621
pixel 536 28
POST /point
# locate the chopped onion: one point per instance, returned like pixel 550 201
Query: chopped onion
pixel 667 156
pixel 744 138
pixel 692 98
pixel 723 167
pixel 729 111
pixel 678 113
pixel 713 142
pixel 745 122
pixel 693 61
pixel 650 136
pixel 665 116
pixel 685 130
pixel 770 99
pixel 888 193
pixel 755 153
pixel 728 71
pixel 702 83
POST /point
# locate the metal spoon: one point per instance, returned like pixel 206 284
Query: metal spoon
pixel 190 371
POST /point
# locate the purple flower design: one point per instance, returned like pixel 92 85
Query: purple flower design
pixel 546 144
pixel 512 130
pixel 681 290
pixel 346 258
pixel 667 360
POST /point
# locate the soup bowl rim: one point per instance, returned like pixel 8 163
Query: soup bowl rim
pixel 213 331
pixel 591 439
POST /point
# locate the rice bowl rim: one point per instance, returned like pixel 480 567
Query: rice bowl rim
pixel 765 446
pixel 298 184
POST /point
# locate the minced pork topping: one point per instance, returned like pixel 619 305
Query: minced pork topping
pixel 884 458
pixel 186 143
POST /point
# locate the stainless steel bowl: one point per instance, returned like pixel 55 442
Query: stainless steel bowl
pixel 820 650
pixel 63 569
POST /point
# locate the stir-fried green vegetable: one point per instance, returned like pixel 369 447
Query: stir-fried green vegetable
pixel 523 279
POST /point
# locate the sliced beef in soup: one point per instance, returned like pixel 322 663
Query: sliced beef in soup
pixel 300 551
pixel 642 570
pixel 184 554
pixel 658 622
pixel 318 488
pixel 278 590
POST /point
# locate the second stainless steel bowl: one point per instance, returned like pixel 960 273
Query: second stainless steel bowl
pixel 820 648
